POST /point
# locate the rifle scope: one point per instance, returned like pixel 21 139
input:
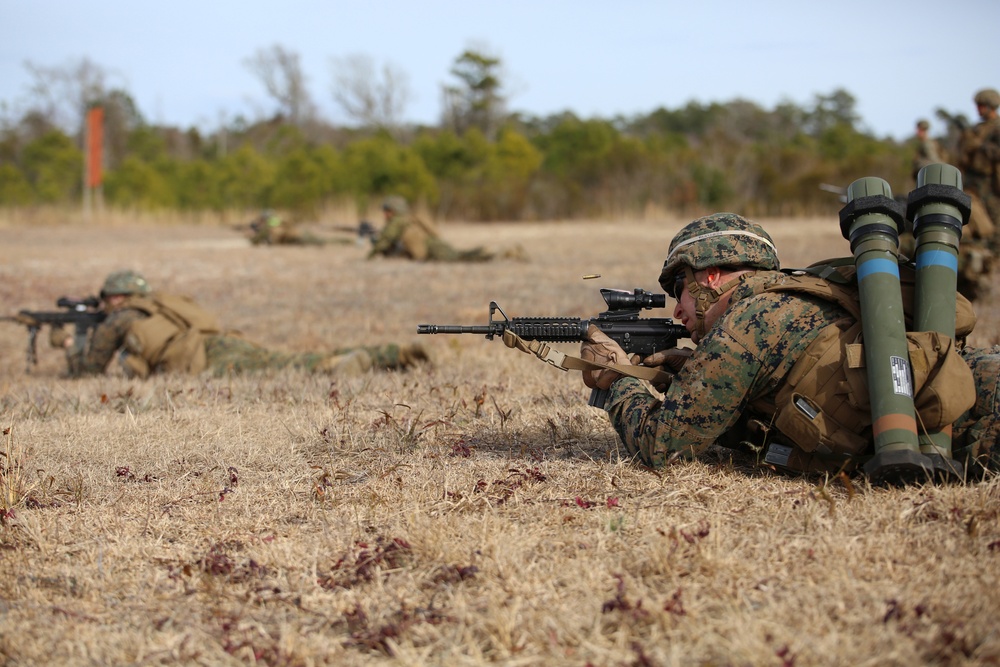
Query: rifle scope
pixel 78 304
pixel 639 298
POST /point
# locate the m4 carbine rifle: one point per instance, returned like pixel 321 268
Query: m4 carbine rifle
pixel 83 314
pixel 957 122
pixel 362 231
pixel 621 323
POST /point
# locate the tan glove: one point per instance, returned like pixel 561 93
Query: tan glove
pixel 58 336
pixel 600 348
pixel 671 360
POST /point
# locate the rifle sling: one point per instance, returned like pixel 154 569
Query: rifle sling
pixel 565 362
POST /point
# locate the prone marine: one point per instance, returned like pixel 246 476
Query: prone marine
pixel 155 332
pixel 776 370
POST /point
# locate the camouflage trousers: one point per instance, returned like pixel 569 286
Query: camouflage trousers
pixel 981 185
pixel 977 432
pixel 975 269
pixel 992 203
pixel 439 251
pixel 229 354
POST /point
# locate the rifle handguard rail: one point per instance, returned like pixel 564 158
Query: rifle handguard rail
pixel 621 322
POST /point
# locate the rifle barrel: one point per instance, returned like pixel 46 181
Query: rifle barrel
pixel 484 329
pixel 551 329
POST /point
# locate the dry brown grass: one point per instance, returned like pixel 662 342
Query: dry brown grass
pixel 472 512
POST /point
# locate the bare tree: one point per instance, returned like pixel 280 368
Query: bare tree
pixel 62 95
pixel 371 97
pixel 281 73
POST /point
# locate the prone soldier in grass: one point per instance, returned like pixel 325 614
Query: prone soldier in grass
pixel 771 371
pixel 270 229
pixel 154 332
pixel 406 235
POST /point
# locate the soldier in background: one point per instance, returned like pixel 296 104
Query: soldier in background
pixel 406 235
pixel 270 229
pixel 927 150
pixel 979 159
pixel 156 332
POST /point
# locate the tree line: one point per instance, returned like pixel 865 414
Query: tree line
pixel 481 162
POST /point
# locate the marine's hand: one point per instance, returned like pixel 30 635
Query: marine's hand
pixel 601 348
pixel 671 360
pixel 58 337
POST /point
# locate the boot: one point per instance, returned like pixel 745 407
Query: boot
pixel 397 357
pixel 411 355
pixel 515 252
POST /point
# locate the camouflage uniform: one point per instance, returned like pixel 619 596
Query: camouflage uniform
pixel 979 159
pixel 225 353
pixel 743 360
pixel 977 433
pixel 233 355
pixel 926 150
pixel 229 353
pixel 405 235
pixel 270 229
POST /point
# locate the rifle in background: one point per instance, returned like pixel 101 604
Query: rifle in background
pixel 83 314
pixel 955 121
pixel 363 230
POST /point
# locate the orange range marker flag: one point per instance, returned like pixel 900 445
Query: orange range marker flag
pixel 95 142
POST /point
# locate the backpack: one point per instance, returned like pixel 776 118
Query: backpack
pixel 822 410
pixel 171 338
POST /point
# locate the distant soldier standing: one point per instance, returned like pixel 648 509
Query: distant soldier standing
pixel 979 157
pixel 155 332
pixel 928 151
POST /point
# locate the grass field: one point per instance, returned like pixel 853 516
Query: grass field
pixel 472 511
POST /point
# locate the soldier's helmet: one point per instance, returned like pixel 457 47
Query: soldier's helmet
pixel 988 97
pixel 396 204
pixel 922 124
pixel 720 239
pixel 125 282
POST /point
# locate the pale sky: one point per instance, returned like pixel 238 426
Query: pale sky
pixel 183 60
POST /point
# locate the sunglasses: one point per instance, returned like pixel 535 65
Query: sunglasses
pixel 679 282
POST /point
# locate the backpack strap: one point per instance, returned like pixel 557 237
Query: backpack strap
pixel 820 284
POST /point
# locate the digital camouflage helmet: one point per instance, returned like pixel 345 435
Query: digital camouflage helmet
pixel 721 239
pixel 125 282
pixel 988 97
pixel 396 205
